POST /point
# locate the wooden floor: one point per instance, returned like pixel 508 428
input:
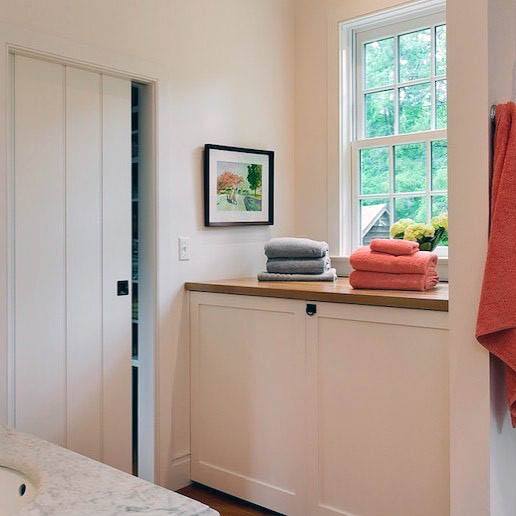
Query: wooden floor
pixel 225 504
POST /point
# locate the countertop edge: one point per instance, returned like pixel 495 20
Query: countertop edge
pixel 68 483
pixel 369 298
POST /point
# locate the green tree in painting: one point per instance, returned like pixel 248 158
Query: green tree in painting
pixel 254 176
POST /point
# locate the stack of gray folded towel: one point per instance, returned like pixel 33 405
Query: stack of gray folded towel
pixel 297 259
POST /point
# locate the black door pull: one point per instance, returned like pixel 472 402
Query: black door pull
pixel 122 288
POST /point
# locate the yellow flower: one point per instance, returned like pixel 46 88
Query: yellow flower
pixel 418 231
pixel 399 227
pixel 441 221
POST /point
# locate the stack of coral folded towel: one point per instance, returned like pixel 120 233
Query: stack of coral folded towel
pixel 393 265
pixel 297 259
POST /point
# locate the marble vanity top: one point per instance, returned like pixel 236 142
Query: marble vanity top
pixel 70 484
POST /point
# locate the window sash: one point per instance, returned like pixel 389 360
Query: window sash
pixel 426 137
pixel 395 31
pixel 360 37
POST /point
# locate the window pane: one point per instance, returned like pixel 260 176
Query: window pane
pixel 415 104
pixel 374 170
pixel 439 205
pixel 440 165
pixel 410 167
pixel 440 50
pixel 410 208
pixel 379 63
pixel 379 116
pixel 441 108
pixel 415 55
pixel 374 219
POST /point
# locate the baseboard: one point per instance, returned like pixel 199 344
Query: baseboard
pixel 179 473
pixel 276 498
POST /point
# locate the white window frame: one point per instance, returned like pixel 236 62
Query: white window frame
pixel 354 35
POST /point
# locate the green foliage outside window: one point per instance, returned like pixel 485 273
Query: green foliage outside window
pixel 441 105
pixel 418 168
pixel 374 164
pixel 415 108
pixel 410 167
pixel 439 165
pixel 440 50
pixel 410 207
pixel 379 109
pixel 379 63
pixel 415 55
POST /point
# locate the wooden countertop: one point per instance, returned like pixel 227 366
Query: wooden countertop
pixel 338 292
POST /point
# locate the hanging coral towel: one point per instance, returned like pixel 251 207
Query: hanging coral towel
pixel 496 323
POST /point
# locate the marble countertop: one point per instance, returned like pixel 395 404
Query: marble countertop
pixel 70 484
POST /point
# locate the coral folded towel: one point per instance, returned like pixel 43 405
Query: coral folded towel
pixel 386 281
pixel 496 323
pixel 421 262
pixel 396 247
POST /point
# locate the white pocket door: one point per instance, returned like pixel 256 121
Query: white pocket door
pixel 71 245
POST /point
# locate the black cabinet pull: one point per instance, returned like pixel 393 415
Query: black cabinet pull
pixel 311 309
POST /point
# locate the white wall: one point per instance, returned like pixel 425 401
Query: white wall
pixel 226 75
pixel 502 87
pixel 311 118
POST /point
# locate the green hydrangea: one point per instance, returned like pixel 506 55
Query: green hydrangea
pixel 441 221
pixel 399 227
pixel 418 231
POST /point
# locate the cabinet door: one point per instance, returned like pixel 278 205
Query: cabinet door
pixel 379 411
pixel 248 381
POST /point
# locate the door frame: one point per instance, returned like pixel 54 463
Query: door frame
pixel 135 72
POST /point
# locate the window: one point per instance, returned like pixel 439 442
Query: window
pixel 398 146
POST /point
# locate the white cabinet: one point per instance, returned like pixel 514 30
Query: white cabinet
pixel 341 413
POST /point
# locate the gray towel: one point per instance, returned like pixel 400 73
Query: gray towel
pixel 299 265
pixel 289 247
pixel 329 275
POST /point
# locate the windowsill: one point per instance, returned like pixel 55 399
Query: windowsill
pixel 341 264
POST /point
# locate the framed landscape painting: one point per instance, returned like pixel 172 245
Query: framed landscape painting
pixel 238 186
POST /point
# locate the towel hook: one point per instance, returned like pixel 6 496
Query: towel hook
pixel 492 112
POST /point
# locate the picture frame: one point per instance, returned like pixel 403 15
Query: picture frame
pixel 238 186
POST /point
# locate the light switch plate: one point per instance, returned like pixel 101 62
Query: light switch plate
pixel 184 248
